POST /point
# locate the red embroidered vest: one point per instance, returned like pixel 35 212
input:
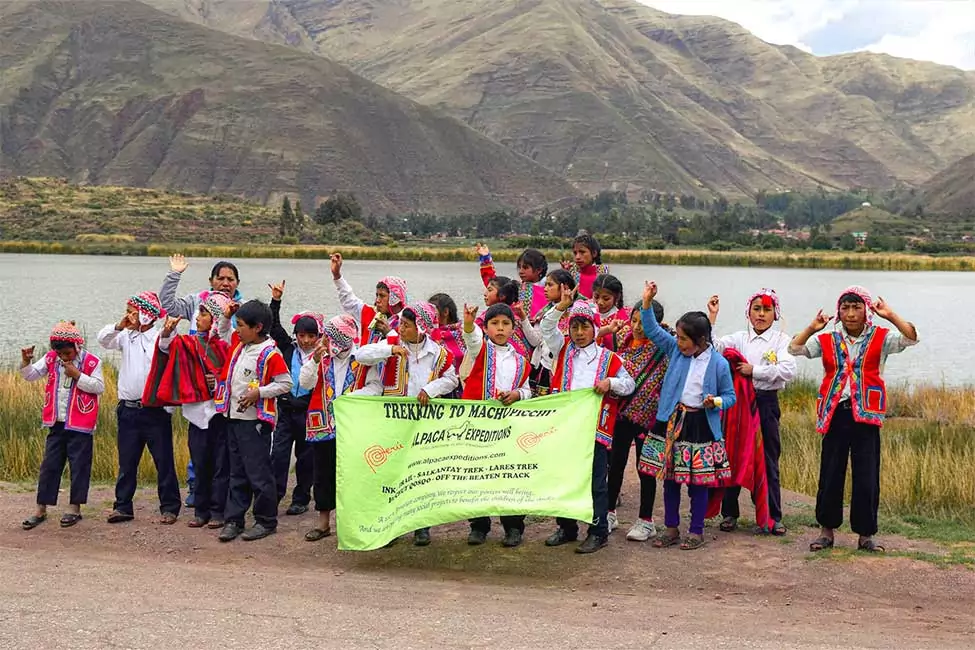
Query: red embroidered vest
pixel 320 421
pixel 868 393
pixel 396 372
pixel 266 408
pixel 82 413
pixel 608 363
pixel 480 383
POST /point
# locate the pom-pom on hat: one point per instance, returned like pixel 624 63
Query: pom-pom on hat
pixel 770 300
pixel 67 332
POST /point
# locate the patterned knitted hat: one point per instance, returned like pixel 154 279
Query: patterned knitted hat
pixel 315 316
pixel 341 331
pixel 864 295
pixel 770 299
pixel 585 310
pixel 67 332
pixel 397 290
pixel 147 303
pixel 215 303
pixel 426 316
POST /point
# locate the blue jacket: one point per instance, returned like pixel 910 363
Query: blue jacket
pixel 717 378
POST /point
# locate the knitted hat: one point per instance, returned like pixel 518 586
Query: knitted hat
pixel 585 310
pixel 315 316
pixel 341 331
pixel 864 295
pixel 67 332
pixel 397 289
pixel 216 303
pixel 426 316
pixel 770 299
pixel 148 305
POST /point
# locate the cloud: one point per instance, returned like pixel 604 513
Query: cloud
pixel 942 31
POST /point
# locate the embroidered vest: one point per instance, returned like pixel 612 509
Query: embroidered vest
pixel 481 383
pixel 266 408
pixel 320 421
pixel 396 373
pixel 368 336
pixel 82 413
pixel 608 364
pixel 868 393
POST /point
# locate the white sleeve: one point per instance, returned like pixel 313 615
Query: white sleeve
pixel 351 304
pixel 165 341
pixel 550 331
pixel 373 354
pixel 784 368
pixel 443 385
pixel 308 375
pixel 622 384
pixel 532 333
pixel 94 383
pixel 473 341
pixel 108 337
pixel 373 386
pixel 36 370
pixel 279 385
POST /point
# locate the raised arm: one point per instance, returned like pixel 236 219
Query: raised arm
pixel 184 307
pixel 350 303
pixel 488 271
pixel 280 335
pixel 549 326
pixel 663 339
pixel 801 345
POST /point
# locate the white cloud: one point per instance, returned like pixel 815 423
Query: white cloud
pixel 942 31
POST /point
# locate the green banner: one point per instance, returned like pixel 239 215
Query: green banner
pixel 403 466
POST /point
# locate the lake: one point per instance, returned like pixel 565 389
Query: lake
pixel 38 290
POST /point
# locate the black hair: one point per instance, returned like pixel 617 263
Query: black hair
pixel 219 266
pixel 57 346
pixel 507 289
pixel 306 325
pixel 408 314
pixel 535 259
pixel 561 276
pixel 443 302
pixel 697 327
pixel 254 313
pixel 658 309
pixel 499 309
pixel 851 297
pixel 580 319
pixel 609 283
pixel 590 242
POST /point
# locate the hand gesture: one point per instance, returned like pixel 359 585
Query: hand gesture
pixel 518 309
pixel 649 293
pixel 277 290
pixel 709 402
pixel 567 265
pixel 170 325
pixel 400 351
pixel 423 398
pixel 508 397
pixel 881 309
pixel 482 250
pixel 602 386
pixel 820 321
pixel 382 326
pixel 714 305
pixel 230 310
pixel 336 259
pixel 321 350
pixel 568 295
pixel 177 263
pixel 27 355
pixel 130 321
pixel 745 369
pixel 71 370
pixel 470 317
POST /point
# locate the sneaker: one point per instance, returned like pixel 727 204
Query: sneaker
pixel 592 544
pixel 560 537
pixel 476 537
pixel 421 537
pixel 512 538
pixel 256 532
pixel 642 531
pixel 612 521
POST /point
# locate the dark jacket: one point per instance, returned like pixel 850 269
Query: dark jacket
pixel 286 344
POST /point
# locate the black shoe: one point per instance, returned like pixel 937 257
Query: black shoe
pixel 296 509
pixel 476 537
pixel 257 531
pixel 560 537
pixel 512 538
pixel 592 544
pixel 421 537
pixel 230 532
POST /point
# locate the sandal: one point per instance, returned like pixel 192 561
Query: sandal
pixel 779 529
pixel 316 534
pixel 692 542
pixel 870 546
pixel 728 524
pixel 70 519
pixel 215 524
pixel 665 540
pixel 822 544
pixel 198 522
pixel 33 522
pixel 118 517
pixel 167 519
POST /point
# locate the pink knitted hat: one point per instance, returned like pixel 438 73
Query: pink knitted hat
pixel 864 295
pixel 341 331
pixel 769 299
pixel 315 316
pixel 585 310
pixel 216 303
pixel 147 303
pixel 397 290
pixel 426 316
pixel 67 332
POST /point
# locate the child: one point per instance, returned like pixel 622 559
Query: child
pixel 607 293
pixel 501 290
pixel 377 320
pixel 770 367
pixel 587 262
pixel 329 373
pixel 139 425
pixel 542 357
pixel 184 371
pixel 583 365
pixel 74 382
pixel 686 442
pixel 851 408
pixel 532 269
pixel 296 348
pixel 497 362
pixel 253 376
pixel 449 332
pixel 416 367
pixel 646 363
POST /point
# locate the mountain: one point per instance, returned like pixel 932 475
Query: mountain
pixel 953 190
pixel 119 93
pixel 614 94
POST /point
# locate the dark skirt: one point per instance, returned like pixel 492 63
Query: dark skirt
pixel 684 450
pixel 540 381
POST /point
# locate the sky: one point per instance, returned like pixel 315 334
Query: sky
pixel 942 31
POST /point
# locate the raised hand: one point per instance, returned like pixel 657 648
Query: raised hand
pixel 714 305
pixel 321 349
pixel 336 260
pixel 566 265
pixel 820 321
pixel 170 325
pixel 277 290
pixel 230 309
pixel 470 317
pixel 649 293
pixel 882 309
pixel 567 296
pixel 26 356
pixel 177 263
pixel 518 309
pixel 129 321
pixel 482 250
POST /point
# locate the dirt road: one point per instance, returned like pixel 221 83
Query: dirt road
pixel 143 585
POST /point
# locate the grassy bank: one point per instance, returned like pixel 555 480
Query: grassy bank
pixel 688 257
pixel 928 448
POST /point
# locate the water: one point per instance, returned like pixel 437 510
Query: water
pixel 38 290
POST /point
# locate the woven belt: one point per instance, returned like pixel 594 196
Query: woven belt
pixel 132 404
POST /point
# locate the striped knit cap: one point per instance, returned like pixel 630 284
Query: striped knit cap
pixel 215 303
pixel 147 303
pixel 67 332
pixel 341 331
pixel 585 310
pixel 397 290
pixel 426 316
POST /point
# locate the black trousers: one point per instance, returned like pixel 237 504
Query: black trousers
pixel 625 434
pixel 509 522
pixel 290 432
pixel 323 454
pixel 251 475
pixel 210 458
pixel 859 442
pixel 138 429
pixel 62 446
pixel 599 526
pixel 768 415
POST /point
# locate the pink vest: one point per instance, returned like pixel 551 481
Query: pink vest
pixel 82 407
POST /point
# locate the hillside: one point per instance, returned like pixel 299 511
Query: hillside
pixel 612 93
pixel 119 93
pixel 953 190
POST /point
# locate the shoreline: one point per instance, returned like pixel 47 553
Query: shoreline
pixel 667 257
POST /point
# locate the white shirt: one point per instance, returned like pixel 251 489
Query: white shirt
pixel 584 366
pixel 308 375
pixel 245 371
pixel 772 364
pixel 94 383
pixel 506 363
pixel 351 303
pixel 419 369
pixel 693 393
pixel 198 414
pixel 137 349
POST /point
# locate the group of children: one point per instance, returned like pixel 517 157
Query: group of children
pixel 253 392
